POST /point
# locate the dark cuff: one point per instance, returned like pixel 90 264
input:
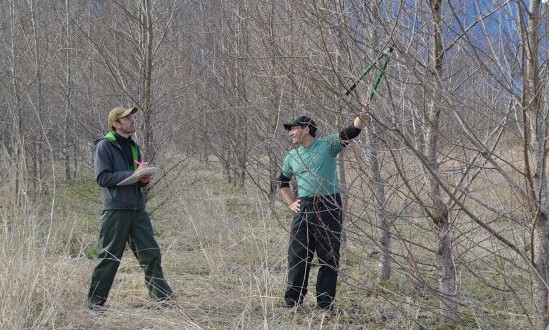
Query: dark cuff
pixel 283 181
pixel 349 133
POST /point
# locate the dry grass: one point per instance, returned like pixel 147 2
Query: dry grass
pixel 224 254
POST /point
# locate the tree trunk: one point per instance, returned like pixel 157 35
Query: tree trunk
pixel 541 243
pixel 384 235
pixel 67 115
pixel 439 213
pixel 17 138
pixel 38 143
pixel 147 41
pixel 536 134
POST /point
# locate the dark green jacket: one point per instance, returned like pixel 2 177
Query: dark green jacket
pixel 110 167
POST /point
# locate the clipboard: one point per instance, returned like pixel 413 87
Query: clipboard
pixel 136 175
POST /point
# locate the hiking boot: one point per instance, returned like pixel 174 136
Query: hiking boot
pixel 163 303
pixel 97 310
pixel 328 313
pixel 168 303
pixel 290 303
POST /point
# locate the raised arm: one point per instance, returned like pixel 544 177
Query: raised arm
pixel 353 130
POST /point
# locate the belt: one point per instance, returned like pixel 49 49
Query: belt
pixel 320 197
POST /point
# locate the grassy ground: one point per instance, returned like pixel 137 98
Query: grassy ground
pixel 224 254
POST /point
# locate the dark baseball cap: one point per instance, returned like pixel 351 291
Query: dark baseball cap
pixel 302 121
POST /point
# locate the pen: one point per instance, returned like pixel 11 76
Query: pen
pixel 138 163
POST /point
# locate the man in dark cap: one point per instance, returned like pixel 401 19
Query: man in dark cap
pixel 316 225
pixel 124 218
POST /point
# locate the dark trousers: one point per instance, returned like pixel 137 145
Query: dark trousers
pixel 316 228
pixel 119 227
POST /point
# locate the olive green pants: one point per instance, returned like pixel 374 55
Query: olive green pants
pixel 119 227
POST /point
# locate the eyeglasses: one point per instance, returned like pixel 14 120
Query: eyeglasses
pixel 129 117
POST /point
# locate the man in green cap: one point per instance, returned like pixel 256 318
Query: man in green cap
pixel 124 218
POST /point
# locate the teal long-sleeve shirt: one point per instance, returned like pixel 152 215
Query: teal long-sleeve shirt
pixel 315 167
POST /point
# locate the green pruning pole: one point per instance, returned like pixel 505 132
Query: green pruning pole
pixel 379 76
pixel 367 70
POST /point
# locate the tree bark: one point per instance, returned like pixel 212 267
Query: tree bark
pixel 447 282
pixel 17 139
pixel 68 86
pixel 147 43
pixel 384 235
pixel 536 124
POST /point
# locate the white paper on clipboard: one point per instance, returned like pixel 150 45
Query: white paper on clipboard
pixel 136 175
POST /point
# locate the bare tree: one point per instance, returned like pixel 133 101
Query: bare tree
pixel 378 186
pixel 527 101
pixel 449 90
pixel 16 146
pixel 536 132
pixel 68 127
pixel 38 141
pixel 146 45
pixel 438 210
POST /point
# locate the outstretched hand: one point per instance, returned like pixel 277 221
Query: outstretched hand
pixel 365 109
